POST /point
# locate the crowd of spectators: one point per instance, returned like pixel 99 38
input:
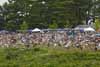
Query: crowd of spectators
pixel 53 38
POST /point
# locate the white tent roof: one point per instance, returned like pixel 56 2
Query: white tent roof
pixel 89 29
pixel 36 30
pixel 83 27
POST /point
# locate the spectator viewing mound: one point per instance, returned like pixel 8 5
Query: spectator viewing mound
pixel 48 57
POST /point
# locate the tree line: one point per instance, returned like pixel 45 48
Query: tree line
pixel 29 14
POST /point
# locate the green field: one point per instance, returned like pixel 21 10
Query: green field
pixel 48 57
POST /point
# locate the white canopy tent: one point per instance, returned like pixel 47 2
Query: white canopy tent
pixel 78 28
pixel 85 28
pixel 89 29
pixel 36 30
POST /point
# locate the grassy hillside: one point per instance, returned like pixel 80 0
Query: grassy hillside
pixel 48 57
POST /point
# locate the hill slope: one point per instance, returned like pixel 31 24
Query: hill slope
pixel 48 57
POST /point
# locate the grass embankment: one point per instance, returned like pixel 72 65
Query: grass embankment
pixel 48 57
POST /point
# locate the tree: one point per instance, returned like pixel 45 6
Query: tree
pixel 24 26
pixel 97 24
pixel 10 26
pixel 44 13
pixel 53 26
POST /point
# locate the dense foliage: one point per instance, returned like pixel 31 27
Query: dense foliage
pixel 48 57
pixel 46 13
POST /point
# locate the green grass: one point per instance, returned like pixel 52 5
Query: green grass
pixel 48 57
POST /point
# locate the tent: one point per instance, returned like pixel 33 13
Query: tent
pixel 89 29
pixel 36 30
pixel 85 28
pixel 3 31
pixel 98 34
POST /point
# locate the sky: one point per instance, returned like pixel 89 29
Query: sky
pixel 2 1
